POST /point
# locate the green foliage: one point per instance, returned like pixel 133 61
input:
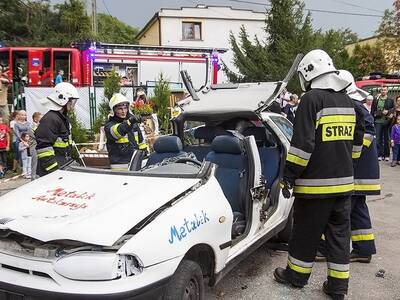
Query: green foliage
pixel 79 134
pixel 162 93
pixel 111 86
pixel 368 59
pixel 288 33
pixel 37 23
pixel 112 30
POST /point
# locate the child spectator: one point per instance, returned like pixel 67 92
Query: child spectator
pixel 395 142
pixel 21 126
pixel 15 149
pixel 25 155
pixel 4 146
pixel 32 143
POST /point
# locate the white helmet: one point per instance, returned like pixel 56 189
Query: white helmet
pixel 117 99
pixel 63 92
pixel 352 90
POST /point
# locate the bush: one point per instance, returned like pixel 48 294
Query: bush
pixel 162 93
pixel 79 134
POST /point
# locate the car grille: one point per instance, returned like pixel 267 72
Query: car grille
pixel 5 295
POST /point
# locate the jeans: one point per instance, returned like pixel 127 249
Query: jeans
pixel 382 139
pixel 396 152
pixel 26 166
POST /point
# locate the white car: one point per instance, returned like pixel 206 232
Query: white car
pixel 193 212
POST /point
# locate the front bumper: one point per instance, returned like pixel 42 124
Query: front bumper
pixel 152 291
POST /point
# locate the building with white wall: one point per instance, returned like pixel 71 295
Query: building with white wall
pixel 202 26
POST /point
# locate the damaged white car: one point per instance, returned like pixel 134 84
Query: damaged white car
pixel 205 199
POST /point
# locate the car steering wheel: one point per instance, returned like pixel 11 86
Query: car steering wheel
pixel 185 160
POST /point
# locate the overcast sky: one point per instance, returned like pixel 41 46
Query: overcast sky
pixel 138 12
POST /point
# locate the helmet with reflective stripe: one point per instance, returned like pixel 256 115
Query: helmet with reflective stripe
pixel 62 93
pixel 352 90
pixel 314 64
pixel 116 100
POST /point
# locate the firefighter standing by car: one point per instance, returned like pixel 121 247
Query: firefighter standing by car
pixel 366 182
pixel 123 133
pixel 53 135
pixel 319 168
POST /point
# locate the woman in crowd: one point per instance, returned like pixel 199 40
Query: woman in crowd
pixel 21 126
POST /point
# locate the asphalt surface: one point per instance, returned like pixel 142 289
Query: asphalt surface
pixel 253 279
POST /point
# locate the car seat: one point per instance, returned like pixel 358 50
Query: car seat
pixel 207 135
pixel 232 172
pixel 269 153
pixel 165 147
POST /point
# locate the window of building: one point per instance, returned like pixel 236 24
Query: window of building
pixel 191 30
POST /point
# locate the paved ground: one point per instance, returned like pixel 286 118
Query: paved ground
pixel 253 279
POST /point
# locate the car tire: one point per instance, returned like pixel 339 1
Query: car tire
pixel 187 283
pixel 284 235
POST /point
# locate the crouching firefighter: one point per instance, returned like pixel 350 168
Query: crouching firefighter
pixel 366 182
pixel 53 135
pixel 319 169
pixel 123 133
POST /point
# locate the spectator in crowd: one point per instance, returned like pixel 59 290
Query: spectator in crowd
pixel 59 77
pixel 141 97
pixel 25 155
pixel 289 111
pixel 3 94
pixel 368 102
pixel 396 110
pixel 32 143
pixel 12 123
pixel 395 142
pixel 21 126
pixel 4 146
pixel 381 108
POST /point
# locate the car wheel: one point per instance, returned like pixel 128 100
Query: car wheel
pixel 284 235
pixel 187 282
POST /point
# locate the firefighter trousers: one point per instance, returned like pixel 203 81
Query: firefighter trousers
pixel 362 237
pixel 312 218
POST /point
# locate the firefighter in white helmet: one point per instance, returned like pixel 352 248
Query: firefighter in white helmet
pixel 123 133
pixel 319 168
pixel 53 135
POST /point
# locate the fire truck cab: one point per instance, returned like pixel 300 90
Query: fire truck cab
pixel 38 66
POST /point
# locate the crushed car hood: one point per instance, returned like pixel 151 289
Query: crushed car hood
pixel 87 207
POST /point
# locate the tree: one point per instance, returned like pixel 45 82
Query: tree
pixel 368 59
pixel 288 33
pixel 162 93
pixel 112 30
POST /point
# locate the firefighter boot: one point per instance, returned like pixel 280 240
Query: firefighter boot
pixel 355 257
pixel 281 275
pixel 327 290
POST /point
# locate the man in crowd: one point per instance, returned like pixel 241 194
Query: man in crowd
pixel 319 168
pixel 289 111
pixel 53 135
pixel 381 110
pixel 122 132
pixel 4 82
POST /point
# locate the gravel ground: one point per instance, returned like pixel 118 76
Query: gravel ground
pixel 253 278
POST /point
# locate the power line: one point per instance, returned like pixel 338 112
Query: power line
pixel 317 10
pixel 105 6
pixel 355 5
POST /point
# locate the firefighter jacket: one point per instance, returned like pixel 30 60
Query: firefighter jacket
pixel 123 137
pixel 320 159
pixel 366 172
pixel 54 142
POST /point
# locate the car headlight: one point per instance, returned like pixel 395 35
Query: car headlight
pixel 93 265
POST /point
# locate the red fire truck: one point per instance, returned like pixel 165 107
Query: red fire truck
pixel 88 65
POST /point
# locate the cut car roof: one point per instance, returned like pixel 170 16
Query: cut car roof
pixel 244 98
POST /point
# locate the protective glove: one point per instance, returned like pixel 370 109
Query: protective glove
pixel 286 187
pixel 133 119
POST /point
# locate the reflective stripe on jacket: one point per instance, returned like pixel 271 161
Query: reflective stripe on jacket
pixel 328 133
